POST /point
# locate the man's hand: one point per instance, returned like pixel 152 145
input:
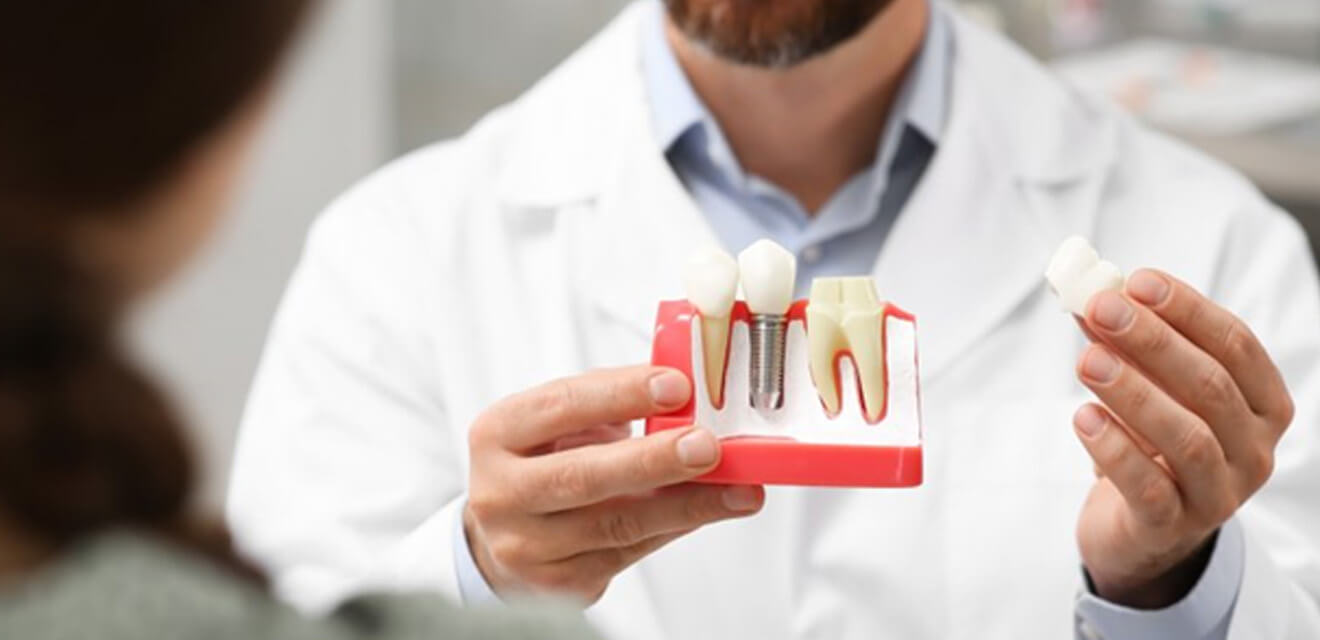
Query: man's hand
pixel 561 499
pixel 1193 410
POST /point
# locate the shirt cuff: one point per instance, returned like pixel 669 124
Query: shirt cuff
pixel 472 587
pixel 1204 614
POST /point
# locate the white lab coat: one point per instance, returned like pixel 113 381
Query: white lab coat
pixel 537 245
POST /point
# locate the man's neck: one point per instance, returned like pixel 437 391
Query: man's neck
pixel 811 127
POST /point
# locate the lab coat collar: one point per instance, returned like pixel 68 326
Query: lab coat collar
pixel 1021 165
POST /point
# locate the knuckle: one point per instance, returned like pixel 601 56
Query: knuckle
pixel 1158 501
pixel 1287 411
pixel 702 507
pixel 555 578
pixel 621 529
pixel 483 506
pixel 568 482
pixel 1155 340
pixel 1259 467
pixel 1237 342
pixel 509 550
pixel 1198 449
pixel 594 590
pixel 659 458
pixel 555 400
pixel 1222 510
pixel 1215 387
pixel 480 433
pixel 1140 396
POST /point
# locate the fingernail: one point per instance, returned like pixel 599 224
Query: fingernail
pixel 1148 287
pixel 1090 421
pixel 1111 311
pixel 698 448
pixel 741 498
pixel 1099 366
pixel 669 389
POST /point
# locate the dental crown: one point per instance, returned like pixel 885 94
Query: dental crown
pixel 1076 273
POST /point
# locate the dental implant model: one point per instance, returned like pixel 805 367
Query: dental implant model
pixel 711 280
pixel 769 273
pixel 818 392
pixel 1076 273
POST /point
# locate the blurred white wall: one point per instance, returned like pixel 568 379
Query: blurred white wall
pixel 455 59
pixel 330 125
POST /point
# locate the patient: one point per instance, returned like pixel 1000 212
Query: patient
pixel 123 126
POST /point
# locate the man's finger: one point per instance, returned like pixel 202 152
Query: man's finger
pixel 587 574
pixel 530 419
pixel 595 473
pixel 596 435
pixel 1146 486
pixel 625 522
pixel 1220 334
pixel 1181 368
pixel 1186 442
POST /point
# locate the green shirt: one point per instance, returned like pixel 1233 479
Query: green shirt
pixel 124 586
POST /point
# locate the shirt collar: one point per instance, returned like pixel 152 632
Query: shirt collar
pixel 922 101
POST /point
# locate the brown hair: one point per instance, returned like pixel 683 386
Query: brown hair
pixel 100 102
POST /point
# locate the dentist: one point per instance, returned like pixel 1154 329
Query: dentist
pixel 1152 476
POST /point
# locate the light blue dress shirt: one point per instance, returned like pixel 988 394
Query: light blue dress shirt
pixel 844 238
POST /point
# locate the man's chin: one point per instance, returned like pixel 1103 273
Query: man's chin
pixel 771 33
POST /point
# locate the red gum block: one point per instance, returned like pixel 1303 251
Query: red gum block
pixel 769 460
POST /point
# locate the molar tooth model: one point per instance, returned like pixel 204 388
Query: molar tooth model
pixel 844 318
pixel 1076 273
pixel 822 391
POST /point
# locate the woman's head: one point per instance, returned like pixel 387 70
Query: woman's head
pixel 125 119
pixel 122 126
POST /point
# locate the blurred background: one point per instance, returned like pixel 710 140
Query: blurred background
pixel 374 79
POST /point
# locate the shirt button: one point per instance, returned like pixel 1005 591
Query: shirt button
pixel 812 254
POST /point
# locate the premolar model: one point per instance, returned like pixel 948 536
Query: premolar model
pixel 1076 273
pixel 768 273
pixel 711 280
pixel 845 317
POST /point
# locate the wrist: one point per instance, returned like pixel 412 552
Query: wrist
pixel 1161 585
pixel 481 556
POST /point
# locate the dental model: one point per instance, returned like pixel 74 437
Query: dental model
pixel 832 382
pixel 711 280
pixel 1076 273
pixel 768 274
pixel 845 317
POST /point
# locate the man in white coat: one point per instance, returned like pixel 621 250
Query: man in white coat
pixel 402 432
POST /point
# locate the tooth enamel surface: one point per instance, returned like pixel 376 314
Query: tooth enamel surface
pixel 768 273
pixel 845 314
pixel 1076 273
pixel 711 280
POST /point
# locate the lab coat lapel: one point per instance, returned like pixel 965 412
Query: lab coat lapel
pixel 1009 181
pixel 647 227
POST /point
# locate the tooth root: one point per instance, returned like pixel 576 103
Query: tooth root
pixel 711 280
pixel 868 354
pixel 825 340
pixel 715 345
pixel 845 314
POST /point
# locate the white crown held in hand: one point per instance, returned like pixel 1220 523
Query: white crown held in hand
pixel 1076 273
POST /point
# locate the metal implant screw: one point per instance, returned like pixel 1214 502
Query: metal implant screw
pixel 768 335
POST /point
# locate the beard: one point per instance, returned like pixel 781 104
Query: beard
pixel 771 33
